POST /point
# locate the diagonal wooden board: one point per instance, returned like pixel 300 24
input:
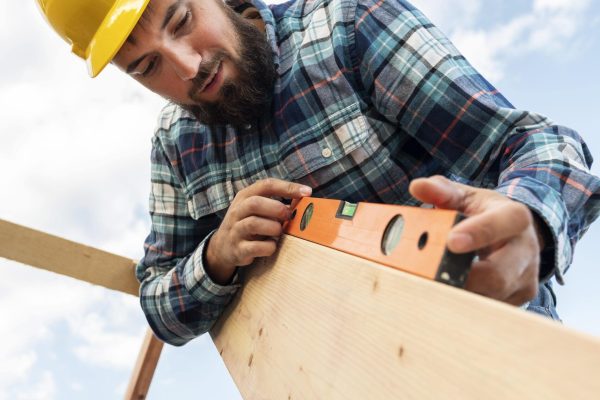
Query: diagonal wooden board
pixel 314 323
pixel 53 253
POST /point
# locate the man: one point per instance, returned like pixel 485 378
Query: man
pixel 360 100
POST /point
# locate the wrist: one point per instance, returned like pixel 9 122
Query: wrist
pixel 219 273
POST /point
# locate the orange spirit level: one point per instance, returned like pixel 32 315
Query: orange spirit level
pixel 410 239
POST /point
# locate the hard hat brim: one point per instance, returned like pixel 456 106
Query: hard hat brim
pixel 112 33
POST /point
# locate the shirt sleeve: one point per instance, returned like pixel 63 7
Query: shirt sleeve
pixel 414 77
pixel 179 299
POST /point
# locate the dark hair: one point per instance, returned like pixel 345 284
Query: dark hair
pixel 145 17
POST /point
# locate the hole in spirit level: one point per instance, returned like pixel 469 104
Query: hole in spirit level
pixel 392 234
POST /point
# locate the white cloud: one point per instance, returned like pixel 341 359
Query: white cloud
pixel 14 368
pixel 450 14
pixel 560 5
pixel 45 389
pixel 31 303
pixel 76 386
pixel 108 329
pixel 549 27
pixel 106 340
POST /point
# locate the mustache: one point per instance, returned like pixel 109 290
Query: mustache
pixel 205 70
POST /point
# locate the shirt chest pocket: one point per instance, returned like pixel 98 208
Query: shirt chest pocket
pixel 317 144
pixel 211 193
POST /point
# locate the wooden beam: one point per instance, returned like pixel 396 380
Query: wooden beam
pixel 52 253
pixel 144 368
pixel 313 323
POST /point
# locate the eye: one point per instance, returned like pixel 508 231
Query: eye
pixel 151 66
pixel 183 21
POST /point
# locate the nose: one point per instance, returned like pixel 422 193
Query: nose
pixel 184 60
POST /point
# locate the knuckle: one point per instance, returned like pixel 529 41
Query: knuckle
pixel 231 212
pixel 278 230
pixel 253 204
pixel 470 200
pixel 245 254
pixel 243 193
pixel 270 247
pixel 283 213
pixel 275 229
pixel 251 225
pixel 521 213
pixel 268 183
pixel 291 188
pixel 237 255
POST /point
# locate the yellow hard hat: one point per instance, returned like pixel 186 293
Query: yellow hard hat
pixel 96 29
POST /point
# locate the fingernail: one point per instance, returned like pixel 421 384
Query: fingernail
pixel 459 242
pixel 305 190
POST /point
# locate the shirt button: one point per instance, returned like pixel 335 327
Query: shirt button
pixel 326 152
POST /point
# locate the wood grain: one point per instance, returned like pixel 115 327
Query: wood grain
pixel 52 253
pixel 141 378
pixel 314 323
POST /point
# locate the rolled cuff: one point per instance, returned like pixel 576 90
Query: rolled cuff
pixel 550 209
pixel 198 282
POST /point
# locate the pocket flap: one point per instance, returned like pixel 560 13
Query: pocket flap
pixel 210 193
pixel 325 142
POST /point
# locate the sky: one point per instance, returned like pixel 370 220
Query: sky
pixel 74 159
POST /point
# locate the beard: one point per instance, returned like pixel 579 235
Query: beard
pixel 245 98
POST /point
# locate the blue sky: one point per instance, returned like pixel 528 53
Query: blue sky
pixel 75 162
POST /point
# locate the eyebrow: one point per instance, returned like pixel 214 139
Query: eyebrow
pixel 167 18
pixel 169 14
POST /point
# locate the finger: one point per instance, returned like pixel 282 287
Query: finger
pixel 441 192
pixel 256 226
pixel 506 220
pixel 272 187
pixel 250 249
pixel 485 280
pixel 500 275
pixel 263 207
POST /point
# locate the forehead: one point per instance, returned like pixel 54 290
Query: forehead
pixel 154 9
pixel 150 17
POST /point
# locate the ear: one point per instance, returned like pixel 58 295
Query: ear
pixel 239 8
pixel 250 13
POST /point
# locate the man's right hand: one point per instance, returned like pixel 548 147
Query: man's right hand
pixel 251 227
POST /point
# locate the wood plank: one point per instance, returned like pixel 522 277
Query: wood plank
pixel 314 323
pixel 139 384
pixel 52 253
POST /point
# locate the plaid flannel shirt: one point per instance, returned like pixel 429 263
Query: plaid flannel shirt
pixel 370 95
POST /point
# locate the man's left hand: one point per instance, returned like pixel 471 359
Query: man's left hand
pixel 500 230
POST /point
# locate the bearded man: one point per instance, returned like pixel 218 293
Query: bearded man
pixel 360 100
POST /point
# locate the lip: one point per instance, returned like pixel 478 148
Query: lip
pixel 214 81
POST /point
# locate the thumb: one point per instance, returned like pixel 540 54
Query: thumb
pixel 441 192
